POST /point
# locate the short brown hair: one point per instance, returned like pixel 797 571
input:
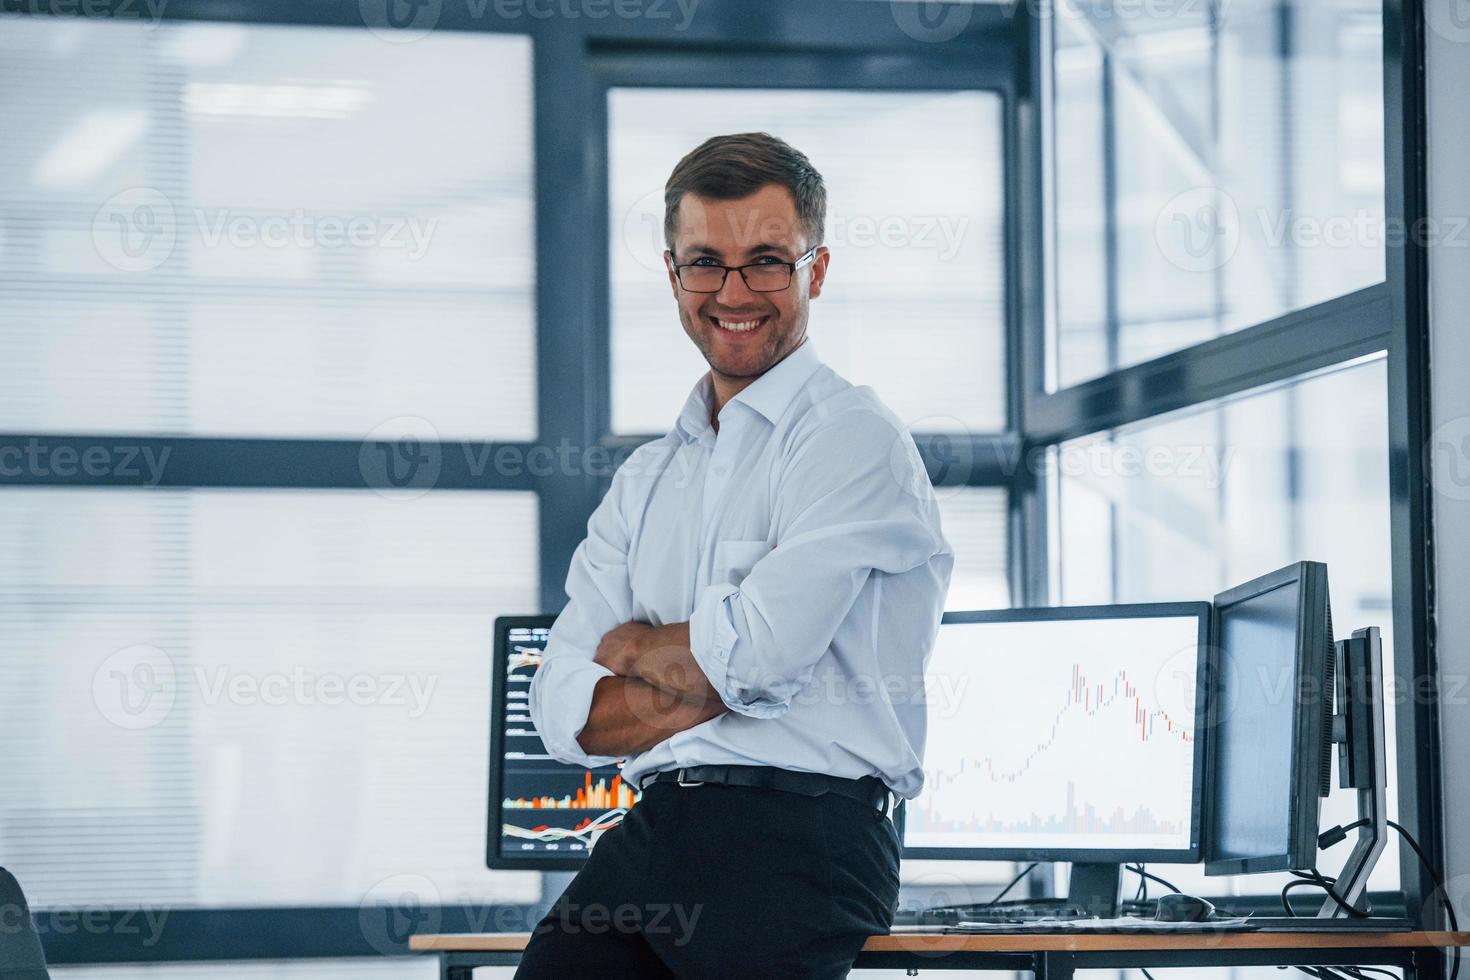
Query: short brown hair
pixel 727 168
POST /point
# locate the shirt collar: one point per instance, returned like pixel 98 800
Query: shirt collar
pixel 769 394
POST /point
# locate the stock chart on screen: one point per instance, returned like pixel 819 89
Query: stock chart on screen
pixel 546 808
pixel 1070 733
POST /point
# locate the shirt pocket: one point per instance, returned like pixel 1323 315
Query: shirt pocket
pixel 734 560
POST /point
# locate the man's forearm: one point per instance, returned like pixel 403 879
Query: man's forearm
pixel 629 715
pixel 667 662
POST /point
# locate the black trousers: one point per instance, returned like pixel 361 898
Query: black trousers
pixel 724 881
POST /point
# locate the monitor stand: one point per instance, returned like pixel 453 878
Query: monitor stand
pixel 1358 728
pixel 1093 888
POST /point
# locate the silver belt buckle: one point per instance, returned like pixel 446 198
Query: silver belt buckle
pixel 682 782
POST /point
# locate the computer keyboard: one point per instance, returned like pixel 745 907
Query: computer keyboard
pixel 1119 924
pixel 1023 911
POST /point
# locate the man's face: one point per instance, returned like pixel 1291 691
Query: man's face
pixel 760 228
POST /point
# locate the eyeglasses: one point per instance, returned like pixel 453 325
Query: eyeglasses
pixel 768 275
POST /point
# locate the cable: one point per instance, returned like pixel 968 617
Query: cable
pixel 1444 896
pixel 1317 879
pixel 1138 870
pixel 1355 972
pixel 1147 974
pixel 1286 889
pixel 1014 882
pixel 1330 837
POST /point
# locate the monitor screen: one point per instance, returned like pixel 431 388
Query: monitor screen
pixel 542 812
pixel 1271 725
pixel 1063 734
pixel 1253 747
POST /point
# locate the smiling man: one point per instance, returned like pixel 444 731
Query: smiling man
pixel 748 622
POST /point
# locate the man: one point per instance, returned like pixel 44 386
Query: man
pixel 748 622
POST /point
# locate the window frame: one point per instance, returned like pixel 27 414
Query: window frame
pixel 994 457
pixel 573 382
pixel 819 44
pixel 1389 317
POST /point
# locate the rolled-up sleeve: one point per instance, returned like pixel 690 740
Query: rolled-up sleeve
pixel 854 498
pixel 599 597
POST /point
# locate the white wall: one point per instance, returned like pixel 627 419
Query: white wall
pixel 1448 53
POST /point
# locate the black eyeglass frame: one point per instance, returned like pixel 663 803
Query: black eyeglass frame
pixel 802 261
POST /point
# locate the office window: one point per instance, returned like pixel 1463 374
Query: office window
pixel 1185 506
pixel 976 525
pixel 914 302
pixel 245 230
pixel 1208 176
pixel 253 698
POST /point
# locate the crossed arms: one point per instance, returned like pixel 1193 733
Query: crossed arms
pixel 657 690
pixel 610 686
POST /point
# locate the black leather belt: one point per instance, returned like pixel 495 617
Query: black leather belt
pixel 867 790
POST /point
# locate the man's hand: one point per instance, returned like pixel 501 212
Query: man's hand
pixel 621 647
pixel 628 716
pixel 659 655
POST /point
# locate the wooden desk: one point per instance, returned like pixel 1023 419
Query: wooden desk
pixel 1051 956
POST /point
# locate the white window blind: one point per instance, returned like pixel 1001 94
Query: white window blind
pixel 914 299
pixel 246 230
pixel 253 698
pixel 976 524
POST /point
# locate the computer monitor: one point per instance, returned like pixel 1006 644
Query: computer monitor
pixel 1270 758
pixel 542 812
pixel 1064 734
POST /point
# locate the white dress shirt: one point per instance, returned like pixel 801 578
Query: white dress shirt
pixel 802 543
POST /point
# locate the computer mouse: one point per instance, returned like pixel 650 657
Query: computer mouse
pixel 1183 908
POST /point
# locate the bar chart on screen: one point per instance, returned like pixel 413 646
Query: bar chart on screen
pixel 547 807
pixel 1059 734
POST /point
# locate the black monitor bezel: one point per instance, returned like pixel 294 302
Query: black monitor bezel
pixel 1203 614
pixel 494 859
pixel 1312 642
